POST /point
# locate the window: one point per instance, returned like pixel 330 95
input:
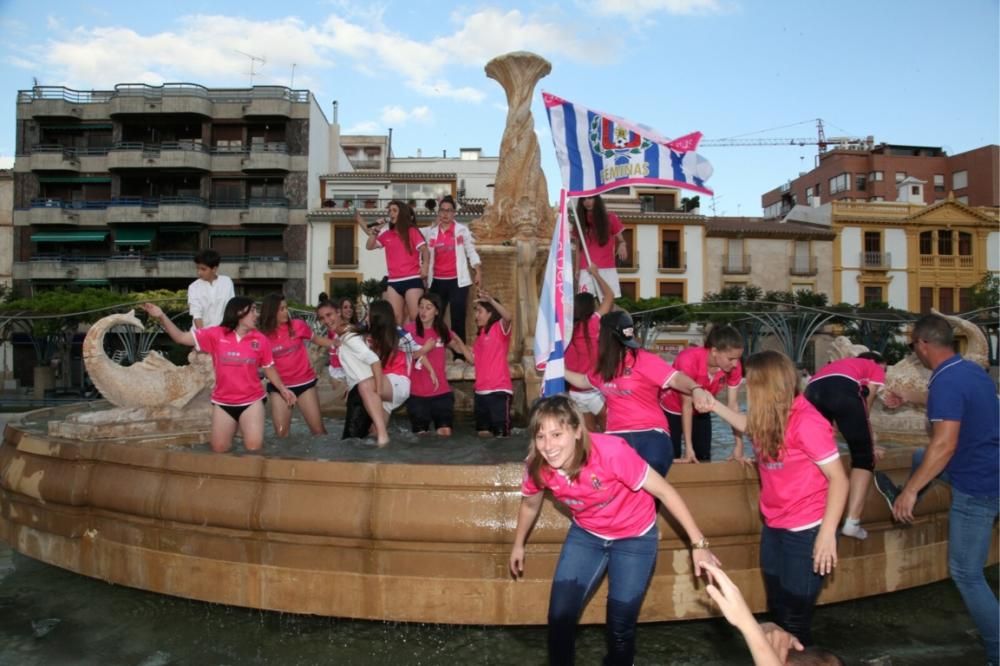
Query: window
pixel 809 194
pixel 876 176
pixel 344 249
pixel 900 177
pixel 926 242
pixel 670 249
pixel 946 300
pixel 964 243
pixel 872 294
pixel 773 211
pixel 272 247
pixel 964 199
pixel 227 191
pixel 840 183
pixel 914 189
pixel 341 285
pixel 965 299
pixel 657 203
pixel 944 246
pixel 671 289
pixel 736 261
pixel 926 299
pixel 873 241
pixel 876 199
pixel 960 180
pixel 939 182
pixel 628 233
pixel 630 289
pixel 860 183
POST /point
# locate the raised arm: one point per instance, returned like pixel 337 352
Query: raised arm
pixel 501 310
pixel 607 294
pixel 169 327
pixel 371 232
pixel 703 400
pixel 738 420
pixel 531 505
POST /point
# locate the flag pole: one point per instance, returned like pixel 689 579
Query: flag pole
pixel 583 248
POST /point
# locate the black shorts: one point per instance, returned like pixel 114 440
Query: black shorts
pixel 492 412
pixel 297 390
pixel 842 401
pixel 357 422
pixel 235 411
pixel 701 433
pixel 403 286
pixel 423 410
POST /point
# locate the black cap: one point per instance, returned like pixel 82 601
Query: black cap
pixel 620 324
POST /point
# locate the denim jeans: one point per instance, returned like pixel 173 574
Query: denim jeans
pixel 582 563
pixel 786 559
pixel 970 530
pixel 654 446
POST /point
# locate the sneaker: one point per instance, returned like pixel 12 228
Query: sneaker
pixel 886 488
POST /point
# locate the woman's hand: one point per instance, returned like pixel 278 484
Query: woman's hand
pixel 729 598
pixel 702 399
pixel 702 557
pixel 516 563
pixel 622 250
pixel 686 460
pixel 154 311
pixel 288 396
pixel 824 554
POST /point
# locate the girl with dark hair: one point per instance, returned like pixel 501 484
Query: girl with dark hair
pixel 603 241
pixel 712 366
pixel 581 354
pixel 608 489
pixel 493 385
pixel 328 314
pixel 288 337
pixel 631 379
pixel 452 250
pixel 237 351
pixel 348 314
pixel 406 257
pixel 431 398
pixel 803 488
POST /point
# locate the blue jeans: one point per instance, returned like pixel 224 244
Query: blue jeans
pixel 786 560
pixel 582 563
pixel 970 530
pixel 654 446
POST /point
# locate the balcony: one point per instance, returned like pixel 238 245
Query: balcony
pixel 63 267
pixel 269 101
pixel 139 98
pixel 267 157
pixel 736 264
pixel 56 211
pixel 261 267
pixel 338 260
pixel 162 210
pixel 46 157
pixel 949 262
pixel 799 265
pixel 875 261
pixel 169 155
pixel 673 264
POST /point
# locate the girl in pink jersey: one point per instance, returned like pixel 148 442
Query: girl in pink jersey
pixel 406 258
pixel 291 359
pixel 581 354
pixel 608 489
pixel 631 379
pixel 431 398
pixel 237 351
pixel 803 488
pixel 493 385
pixel 603 242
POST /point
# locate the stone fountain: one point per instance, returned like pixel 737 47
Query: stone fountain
pixel 128 492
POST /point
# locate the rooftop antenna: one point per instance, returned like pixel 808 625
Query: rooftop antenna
pixel 291 84
pixel 253 61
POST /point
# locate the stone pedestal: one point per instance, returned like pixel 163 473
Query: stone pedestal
pixel 44 379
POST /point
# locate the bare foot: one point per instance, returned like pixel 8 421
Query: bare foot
pixel 382 442
pixel 485 433
pixel 444 432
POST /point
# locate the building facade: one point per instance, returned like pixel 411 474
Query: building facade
pixel 847 174
pixel 122 187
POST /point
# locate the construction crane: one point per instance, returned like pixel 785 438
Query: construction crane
pixel 820 140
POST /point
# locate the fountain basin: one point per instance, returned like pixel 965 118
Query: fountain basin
pixel 374 539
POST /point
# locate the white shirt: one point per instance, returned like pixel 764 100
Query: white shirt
pixel 207 300
pixel 356 358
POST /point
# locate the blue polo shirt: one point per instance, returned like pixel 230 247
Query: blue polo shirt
pixel 962 391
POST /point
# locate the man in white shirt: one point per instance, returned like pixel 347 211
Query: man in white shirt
pixel 208 295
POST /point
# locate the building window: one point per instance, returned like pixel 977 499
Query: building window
pixel 860 183
pixel 630 289
pixel 964 243
pixel 671 289
pixel 809 195
pixel 926 242
pixel 900 177
pixel 939 182
pixel 965 299
pixel 343 251
pixel 960 180
pixel 671 257
pixel 946 300
pixel 840 183
pixel 341 286
pixel 944 246
pixel 876 176
pixel 631 261
pixel 926 299
pixel 914 189
pixel 876 199
pixel 872 294
pixel 873 241
pixel 657 203
pixel 964 199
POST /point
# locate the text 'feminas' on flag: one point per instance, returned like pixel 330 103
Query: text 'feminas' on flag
pixel 599 152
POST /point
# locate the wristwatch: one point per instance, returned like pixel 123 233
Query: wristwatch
pixel 701 544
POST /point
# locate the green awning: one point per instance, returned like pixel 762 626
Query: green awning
pixel 74 179
pixel 77 126
pixel 242 233
pixel 179 228
pixel 140 236
pixel 69 237
pixel 92 283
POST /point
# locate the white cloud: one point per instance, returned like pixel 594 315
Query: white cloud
pixel 364 127
pixel 640 9
pixel 6 161
pixel 397 115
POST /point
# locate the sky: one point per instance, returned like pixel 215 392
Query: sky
pixel 913 72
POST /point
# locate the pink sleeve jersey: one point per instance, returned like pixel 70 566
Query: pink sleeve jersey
pixel 864 371
pixel 334 350
pixel 603 256
pixel 490 352
pixel 793 489
pixel 693 362
pixel 633 395
pixel 421 385
pixel 236 361
pixel 606 498
pixel 582 351
pixel 291 358
pixel 402 265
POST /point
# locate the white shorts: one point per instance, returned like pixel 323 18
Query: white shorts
pixel 589 285
pixel 400 392
pixel 337 373
pixel 589 402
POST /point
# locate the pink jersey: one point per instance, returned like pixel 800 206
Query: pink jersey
pixel 490 351
pixel 398 364
pixel 235 361
pixel 420 380
pixel 334 350
pixel 606 499
pixel 864 371
pixel 402 265
pixel 582 351
pixel 693 362
pixel 443 245
pixel 633 396
pixel 793 489
pixel 291 359
pixel 602 255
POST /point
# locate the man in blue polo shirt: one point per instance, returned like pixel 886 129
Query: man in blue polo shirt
pixel 964 412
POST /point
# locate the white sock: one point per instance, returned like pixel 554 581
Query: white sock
pixel 852 528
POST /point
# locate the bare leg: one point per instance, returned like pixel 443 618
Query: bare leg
pixel 252 425
pixel 373 405
pixel 308 404
pixel 396 301
pixel 412 301
pixel 281 415
pixel 223 430
pixel 861 481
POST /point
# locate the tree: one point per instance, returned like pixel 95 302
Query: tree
pixel 986 292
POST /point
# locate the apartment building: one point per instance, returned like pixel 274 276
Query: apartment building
pixel 121 187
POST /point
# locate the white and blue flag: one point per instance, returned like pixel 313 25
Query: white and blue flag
pixel 554 326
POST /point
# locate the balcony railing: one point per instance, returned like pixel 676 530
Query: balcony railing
pixel 378 207
pixel 736 264
pixel 946 261
pixel 800 265
pixel 235 95
pixel 876 261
